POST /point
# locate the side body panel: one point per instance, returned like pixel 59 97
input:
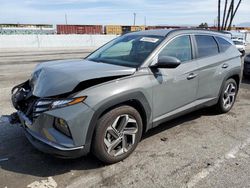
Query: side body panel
pixel 172 89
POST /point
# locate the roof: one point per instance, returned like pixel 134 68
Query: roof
pixel 165 32
pixel 157 32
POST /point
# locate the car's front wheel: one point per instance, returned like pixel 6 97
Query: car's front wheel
pixel 117 134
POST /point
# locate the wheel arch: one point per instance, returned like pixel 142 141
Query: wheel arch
pixel 236 77
pixel 136 100
pixel 234 74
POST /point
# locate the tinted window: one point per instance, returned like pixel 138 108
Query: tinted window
pixel 206 45
pixel 224 45
pixel 180 48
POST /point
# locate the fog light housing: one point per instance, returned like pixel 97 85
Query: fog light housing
pixel 62 126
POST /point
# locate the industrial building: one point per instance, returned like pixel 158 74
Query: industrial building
pixel 9 29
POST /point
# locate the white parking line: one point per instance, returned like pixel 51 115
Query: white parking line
pixel 206 171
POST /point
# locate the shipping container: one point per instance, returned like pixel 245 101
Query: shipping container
pixel 113 29
pixel 79 29
pixel 126 29
pixel 138 28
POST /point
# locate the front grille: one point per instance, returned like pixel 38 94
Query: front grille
pixel 40 107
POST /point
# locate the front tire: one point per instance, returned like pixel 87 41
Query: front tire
pixel 228 96
pixel 117 134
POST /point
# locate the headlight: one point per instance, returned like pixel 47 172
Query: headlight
pixel 48 104
pixel 66 102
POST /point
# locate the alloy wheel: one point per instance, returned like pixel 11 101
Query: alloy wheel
pixel 229 96
pixel 120 135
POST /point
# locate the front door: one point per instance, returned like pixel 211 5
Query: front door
pixel 176 87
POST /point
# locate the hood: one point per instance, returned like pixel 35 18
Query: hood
pixel 59 77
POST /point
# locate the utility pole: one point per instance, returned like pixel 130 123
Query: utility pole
pixel 134 18
pixel 66 19
pixel 145 21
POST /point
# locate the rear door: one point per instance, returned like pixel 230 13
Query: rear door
pixel 211 66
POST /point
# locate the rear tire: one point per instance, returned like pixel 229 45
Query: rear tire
pixel 227 97
pixel 117 134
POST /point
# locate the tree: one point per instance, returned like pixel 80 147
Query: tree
pixel 219 2
pixel 233 14
pixel 228 14
pixel 224 15
pixel 203 25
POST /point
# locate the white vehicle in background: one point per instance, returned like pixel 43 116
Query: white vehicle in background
pixel 240 45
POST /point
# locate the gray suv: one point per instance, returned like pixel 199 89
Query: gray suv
pixel 105 102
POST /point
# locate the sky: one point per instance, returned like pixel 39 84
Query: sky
pixel 157 12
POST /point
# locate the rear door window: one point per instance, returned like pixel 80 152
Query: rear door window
pixel 223 44
pixel 206 45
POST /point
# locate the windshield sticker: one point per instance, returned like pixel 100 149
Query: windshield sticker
pixel 149 39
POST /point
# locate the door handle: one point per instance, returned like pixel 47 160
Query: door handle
pixel 224 66
pixel 191 76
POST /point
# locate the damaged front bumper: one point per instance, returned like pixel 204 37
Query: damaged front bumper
pixel 61 131
pixel 45 145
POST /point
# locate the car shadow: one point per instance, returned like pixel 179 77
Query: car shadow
pixel 179 121
pixel 23 158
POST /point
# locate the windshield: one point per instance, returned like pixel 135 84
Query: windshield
pixel 128 50
pixel 238 42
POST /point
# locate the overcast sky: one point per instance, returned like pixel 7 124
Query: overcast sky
pixel 169 12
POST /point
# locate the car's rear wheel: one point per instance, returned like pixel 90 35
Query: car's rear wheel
pixel 228 96
pixel 117 134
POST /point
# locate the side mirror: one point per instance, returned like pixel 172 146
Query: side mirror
pixel 167 62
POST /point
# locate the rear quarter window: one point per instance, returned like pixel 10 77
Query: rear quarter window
pixel 223 44
pixel 206 45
